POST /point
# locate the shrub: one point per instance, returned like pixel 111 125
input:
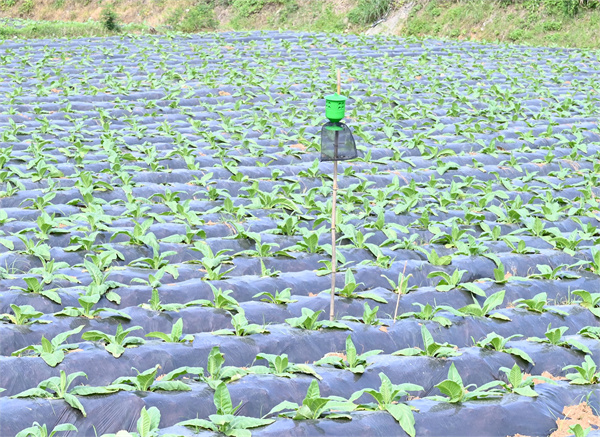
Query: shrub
pixel 552 26
pixel 110 19
pixel 195 19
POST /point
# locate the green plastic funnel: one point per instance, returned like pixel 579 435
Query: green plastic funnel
pixel 335 107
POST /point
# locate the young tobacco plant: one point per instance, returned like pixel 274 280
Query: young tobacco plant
pixel 314 406
pixel 308 320
pixel 351 285
pixel 217 373
pixel 518 385
pixel 147 380
pixel 591 301
pixel 455 391
pixel 57 387
pixel 86 310
pixel 282 297
pixel 37 430
pixel 226 421
pixel 585 373
pixel 496 342
pixel 212 262
pixel 537 304
pixel 447 282
pixel 176 335
pixel 241 327
pixel 51 351
pixel 115 344
pixel 427 312
pixel 35 285
pixel 23 315
pixel 369 316
pixel 279 365
pixel 352 361
pixel 555 337
pixel 147 424
pixel 388 398
pixel 476 310
pixel 430 348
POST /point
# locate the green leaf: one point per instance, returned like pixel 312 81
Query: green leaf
pixel 144 423
pixel 313 391
pixel 74 402
pixel 473 289
pixel 525 391
pixel 199 423
pixel 53 358
pixel 451 389
pixel 404 416
pixel 222 400
pixel 170 386
pixel 116 350
pixel 519 353
pixel 285 405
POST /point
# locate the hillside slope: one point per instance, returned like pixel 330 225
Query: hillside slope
pixel 569 23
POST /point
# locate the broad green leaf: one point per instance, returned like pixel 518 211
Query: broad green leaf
pixel 222 400
pixel 74 402
pixel 451 389
pixel 404 416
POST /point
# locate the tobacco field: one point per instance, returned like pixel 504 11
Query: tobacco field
pixel 165 246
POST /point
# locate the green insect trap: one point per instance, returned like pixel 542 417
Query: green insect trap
pixel 337 144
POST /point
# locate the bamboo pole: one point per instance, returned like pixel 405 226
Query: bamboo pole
pixel 333 212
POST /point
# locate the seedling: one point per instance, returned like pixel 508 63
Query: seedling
pixel 241 327
pixel 282 297
pixel 86 310
pixel 430 348
pixel 37 430
pixel 585 373
pixel 147 424
pixel 51 351
pixel 279 365
pixel 537 304
pixel 518 385
pixel 23 315
pixel 351 285
pixel 115 344
pixel 498 343
pixel 352 361
pixel 176 335
pixel 147 380
pixel 436 260
pixel 492 302
pixel 427 312
pixel 388 398
pixel 369 316
pixel 226 421
pixel 217 373
pixel 591 301
pixel 57 387
pixel 447 282
pixel 314 406
pixel 554 337
pixel 100 284
pixel 455 392
pixel 35 285
pixel 308 320
pixel 212 262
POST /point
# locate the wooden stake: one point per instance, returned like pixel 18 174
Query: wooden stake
pixel 333 213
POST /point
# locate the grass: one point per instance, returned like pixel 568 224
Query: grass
pixel 26 29
pixel 493 21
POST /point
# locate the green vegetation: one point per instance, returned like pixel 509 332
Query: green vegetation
pixel 531 22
